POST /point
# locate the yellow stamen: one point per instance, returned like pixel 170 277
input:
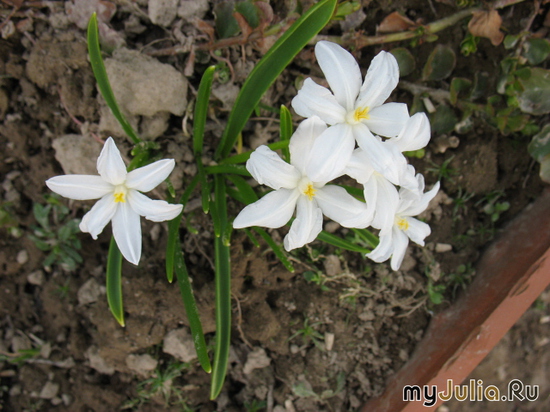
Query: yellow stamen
pixel 310 191
pixel 402 223
pixel 361 113
pixel 119 197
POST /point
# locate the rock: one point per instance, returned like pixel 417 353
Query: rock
pixel 36 278
pixel 257 359
pixel 163 12
pixel 89 292
pixel 443 247
pixel 143 365
pixel 332 265
pixel 22 257
pixel 97 362
pixel 49 391
pixel 190 9
pixel 144 86
pixel 179 344
pixel 77 154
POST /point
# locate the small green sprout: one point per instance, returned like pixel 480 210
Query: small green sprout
pixel 310 335
pixel 56 234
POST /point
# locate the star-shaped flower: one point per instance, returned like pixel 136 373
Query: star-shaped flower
pixel 355 111
pixel 294 190
pixel 120 200
pixel 394 238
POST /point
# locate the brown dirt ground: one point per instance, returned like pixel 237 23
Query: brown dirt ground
pixel 375 316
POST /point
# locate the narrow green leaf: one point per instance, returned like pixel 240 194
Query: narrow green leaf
pixel 223 292
pixel 251 237
pixel 340 243
pixel 190 304
pixel 368 237
pixel 275 247
pixel 270 67
pixel 224 169
pixel 244 188
pixel 114 282
pixel 286 130
pixel 201 110
pixel 205 187
pixel 243 157
pixel 103 81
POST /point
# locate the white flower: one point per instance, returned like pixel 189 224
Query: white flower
pixel 394 238
pixel 294 189
pixel 119 197
pixel 354 111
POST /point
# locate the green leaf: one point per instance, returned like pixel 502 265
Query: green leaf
pixel 227 168
pixel 443 120
pixel 341 243
pixel 440 64
pixel 103 81
pixel 536 50
pixel 190 304
pixel 270 67
pixel 201 110
pixel 405 60
pixel 540 145
pixel 243 157
pixel 226 24
pixel 286 130
pixel 223 292
pixel 246 193
pixel 459 86
pixel 114 283
pixel 250 13
pixel 535 97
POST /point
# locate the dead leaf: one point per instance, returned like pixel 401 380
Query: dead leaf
pixel 395 22
pixel 487 24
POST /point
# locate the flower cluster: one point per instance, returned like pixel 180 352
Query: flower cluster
pixel 348 130
pixel 120 198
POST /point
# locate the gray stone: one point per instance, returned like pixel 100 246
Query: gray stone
pixel 179 344
pixel 77 154
pixel 163 12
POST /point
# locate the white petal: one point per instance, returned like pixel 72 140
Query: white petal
pixel 127 232
pixel 416 207
pixel 154 210
pixel 110 165
pixel 400 243
pixel 99 215
pixel 359 166
pixel 302 141
pixel 382 77
pixel 384 250
pixel 385 159
pixel 417 231
pixel 341 71
pixel 330 153
pixel 269 169
pixel 382 195
pixel 79 187
pixel 307 225
pixel 148 177
pixel 388 120
pixel 315 100
pixel 414 135
pixel 273 210
pixel 340 206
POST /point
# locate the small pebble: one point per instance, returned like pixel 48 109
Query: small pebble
pixel 22 257
pixel 443 247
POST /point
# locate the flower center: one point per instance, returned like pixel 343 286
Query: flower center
pixel 402 223
pixel 120 194
pixel 309 192
pixel 306 188
pixel 361 113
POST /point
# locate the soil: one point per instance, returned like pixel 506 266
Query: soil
pixel 367 319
